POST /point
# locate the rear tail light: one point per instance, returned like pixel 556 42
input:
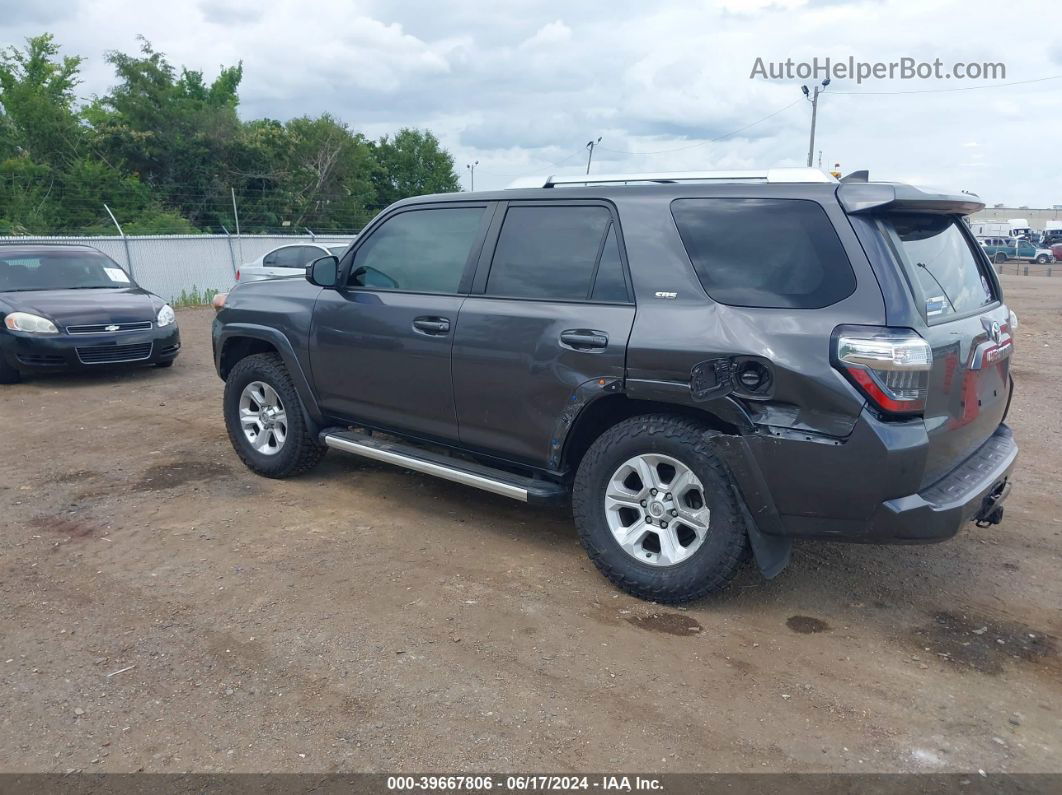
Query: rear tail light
pixel 890 366
pixel 237 275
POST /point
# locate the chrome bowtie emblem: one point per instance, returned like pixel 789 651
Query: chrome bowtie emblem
pixel 111 327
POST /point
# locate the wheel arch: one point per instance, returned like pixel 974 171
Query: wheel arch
pixel 238 341
pixel 235 348
pixel 601 414
pixel 728 421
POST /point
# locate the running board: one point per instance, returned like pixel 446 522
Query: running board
pixel 468 473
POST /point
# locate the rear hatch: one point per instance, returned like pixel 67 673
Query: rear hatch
pixel 959 310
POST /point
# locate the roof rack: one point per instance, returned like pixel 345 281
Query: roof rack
pixel 665 177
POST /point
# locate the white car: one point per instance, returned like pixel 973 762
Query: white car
pixel 286 261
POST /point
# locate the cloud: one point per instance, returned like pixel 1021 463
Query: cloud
pixel 34 12
pixel 522 87
pixel 555 32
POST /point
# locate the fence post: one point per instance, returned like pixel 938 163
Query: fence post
pixel 232 253
pixel 236 215
pixel 125 241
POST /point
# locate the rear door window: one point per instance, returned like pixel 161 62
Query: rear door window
pixel 941 264
pixel 775 253
pixel 550 252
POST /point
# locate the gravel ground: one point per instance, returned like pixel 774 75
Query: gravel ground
pixel 163 609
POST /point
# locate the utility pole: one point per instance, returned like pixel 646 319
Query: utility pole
pixel 813 98
pixel 472 175
pixel 590 145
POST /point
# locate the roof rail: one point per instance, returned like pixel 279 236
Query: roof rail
pixel 767 175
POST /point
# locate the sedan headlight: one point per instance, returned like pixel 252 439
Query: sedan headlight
pixel 31 324
pixel 166 316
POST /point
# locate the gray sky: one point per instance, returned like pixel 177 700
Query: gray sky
pixel 523 86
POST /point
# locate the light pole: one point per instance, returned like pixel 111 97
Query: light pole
pixel 472 175
pixel 590 145
pixel 813 98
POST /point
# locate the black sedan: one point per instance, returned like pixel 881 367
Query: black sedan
pixel 73 308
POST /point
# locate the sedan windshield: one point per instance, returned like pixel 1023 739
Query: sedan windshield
pixel 59 270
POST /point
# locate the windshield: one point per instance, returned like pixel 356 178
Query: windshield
pixel 942 265
pixel 59 270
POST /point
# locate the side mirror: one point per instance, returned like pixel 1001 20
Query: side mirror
pixel 323 272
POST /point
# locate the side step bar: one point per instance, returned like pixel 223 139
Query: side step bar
pixel 468 473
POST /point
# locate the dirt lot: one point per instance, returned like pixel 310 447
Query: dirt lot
pixel 162 608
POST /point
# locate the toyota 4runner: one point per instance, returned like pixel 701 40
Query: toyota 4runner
pixel 704 364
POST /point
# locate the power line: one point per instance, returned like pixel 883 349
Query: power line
pixel 949 90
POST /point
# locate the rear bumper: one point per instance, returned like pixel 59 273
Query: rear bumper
pixel 966 493
pixel 34 353
pixel 849 494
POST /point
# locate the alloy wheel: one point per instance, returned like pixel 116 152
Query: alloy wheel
pixel 656 509
pixel 262 418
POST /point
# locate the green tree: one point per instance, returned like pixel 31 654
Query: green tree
pixel 411 163
pixel 165 148
pixel 172 130
pixel 38 119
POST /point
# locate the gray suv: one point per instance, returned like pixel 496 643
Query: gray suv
pixel 705 365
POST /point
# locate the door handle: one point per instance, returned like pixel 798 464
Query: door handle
pixel 436 326
pixel 584 339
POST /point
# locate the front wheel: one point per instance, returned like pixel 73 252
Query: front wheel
pixel 656 510
pixel 1043 259
pixel 1000 258
pixel 264 419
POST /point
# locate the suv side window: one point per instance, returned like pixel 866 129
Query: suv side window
pixel 775 253
pixel 423 251
pixel 553 253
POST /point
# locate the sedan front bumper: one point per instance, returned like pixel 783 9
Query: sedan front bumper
pixel 35 353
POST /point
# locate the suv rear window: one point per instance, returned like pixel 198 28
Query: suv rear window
pixel 776 253
pixel 942 265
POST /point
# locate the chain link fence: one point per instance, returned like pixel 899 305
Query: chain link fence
pixel 170 265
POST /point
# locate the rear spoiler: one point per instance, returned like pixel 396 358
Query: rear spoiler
pixel 867 197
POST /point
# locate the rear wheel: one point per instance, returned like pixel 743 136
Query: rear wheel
pixel 264 419
pixel 656 510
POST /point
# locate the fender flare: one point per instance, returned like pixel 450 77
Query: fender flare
pixel 283 346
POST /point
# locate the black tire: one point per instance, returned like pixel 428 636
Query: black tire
pixel 1000 257
pixel 1043 259
pixel 711 567
pixel 8 374
pixel 165 364
pixel 301 451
